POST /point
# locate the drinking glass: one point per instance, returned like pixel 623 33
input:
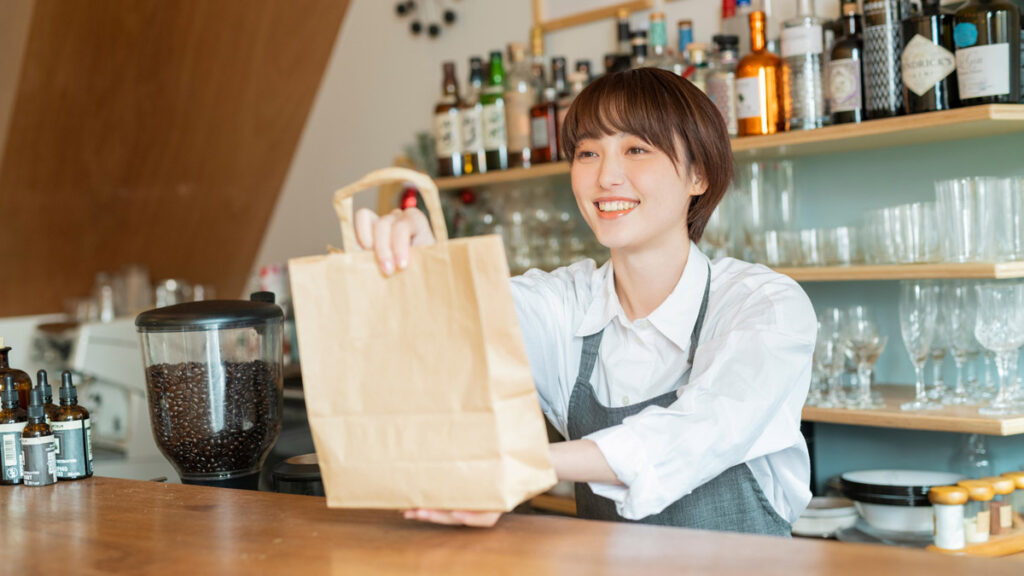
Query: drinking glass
pixel 958 207
pixel 842 246
pixel 812 247
pixel 1002 235
pixel 830 356
pixel 863 344
pixel 917 325
pixel 779 248
pixel 959 302
pixel 999 327
pixel 914 233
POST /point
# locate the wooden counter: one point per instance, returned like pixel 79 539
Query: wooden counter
pixel 103 525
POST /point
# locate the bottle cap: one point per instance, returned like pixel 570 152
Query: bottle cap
pixel 1017 477
pixel 35 405
pixel 1001 485
pixel 67 388
pixel 977 490
pixel 9 394
pixel 947 495
pixel 43 382
pixel 622 14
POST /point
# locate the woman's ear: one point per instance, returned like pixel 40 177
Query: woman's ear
pixel 699 187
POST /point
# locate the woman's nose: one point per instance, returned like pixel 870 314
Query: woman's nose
pixel 610 174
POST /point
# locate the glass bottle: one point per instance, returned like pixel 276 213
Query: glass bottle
pixel 13 420
pixel 544 128
pixel 721 81
pixel 846 69
pixel 757 85
pixel 38 446
pixel 1017 498
pixel 474 160
pixel 987 38
pixel 802 72
pixel 72 429
pixel 492 101
pixel 659 57
pixel 977 518
pixel 584 66
pixel 685 38
pixel 883 46
pixel 520 96
pixel 620 59
pixel 537 60
pixel 22 381
pixel 639 58
pixel 48 406
pixel 447 128
pixel 698 71
pixel 1000 510
pixel 948 509
pixel 928 64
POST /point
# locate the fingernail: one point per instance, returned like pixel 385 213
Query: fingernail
pixel 403 263
pixel 389 267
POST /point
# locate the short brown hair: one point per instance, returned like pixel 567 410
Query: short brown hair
pixel 659 107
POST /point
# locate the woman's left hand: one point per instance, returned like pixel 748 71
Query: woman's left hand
pixel 454 517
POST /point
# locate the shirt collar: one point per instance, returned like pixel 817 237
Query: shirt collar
pixel 676 316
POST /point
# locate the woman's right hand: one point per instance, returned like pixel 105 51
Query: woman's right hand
pixel 392 235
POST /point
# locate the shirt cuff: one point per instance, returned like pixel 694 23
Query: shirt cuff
pixel 625 454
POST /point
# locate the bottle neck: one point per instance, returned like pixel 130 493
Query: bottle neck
pixel 757 39
pixel 3 357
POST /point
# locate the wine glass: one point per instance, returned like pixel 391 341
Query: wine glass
pixel 959 303
pixel 829 356
pixel 918 309
pixel 999 327
pixel 940 344
pixel 863 345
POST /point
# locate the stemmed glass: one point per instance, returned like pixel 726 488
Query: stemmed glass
pixel 940 344
pixel 959 303
pixel 918 309
pixel 863 345
pixel 999 327
pixel 829 358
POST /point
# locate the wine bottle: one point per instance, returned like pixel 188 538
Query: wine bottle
pixel 987 38
pixel 757 84
pixel 928 63
pixel 883 46
pixel 447 127
pixel 846 69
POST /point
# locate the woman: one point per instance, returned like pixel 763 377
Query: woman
pixel 677 381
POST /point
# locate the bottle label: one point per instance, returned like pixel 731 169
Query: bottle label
pixel 88 444
pixel 447 133
pixel 11 465
pixel 802 40
pixel 722 91
pixel 925 64
pixel 983 70
pixel 70 439
pixel 40 455
pixel 844 93
pixel 494 125
pixel 472 129
pixel 539 132
pixel 748 98
pixel 517 118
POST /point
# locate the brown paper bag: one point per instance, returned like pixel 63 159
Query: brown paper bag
pixel 417 386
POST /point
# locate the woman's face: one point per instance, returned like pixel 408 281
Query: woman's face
pixel 632 195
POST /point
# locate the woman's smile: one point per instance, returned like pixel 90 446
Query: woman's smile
pixel 610 208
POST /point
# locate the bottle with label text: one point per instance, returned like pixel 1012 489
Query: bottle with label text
pixel 38 447
pixel 471 120
pixel 803 90
pixel 544 128
pixel 757 85
pixel 846 69
pixel 987 38
pixel 520 96
pixel 492 101
pixel 447 129
pixel 13 420
pixel 928 61
pixel 721 81
pixel 883 48
pixel 72 430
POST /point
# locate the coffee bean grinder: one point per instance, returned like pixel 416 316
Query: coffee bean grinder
pixel 214 386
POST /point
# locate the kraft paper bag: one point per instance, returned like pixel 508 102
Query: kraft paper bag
pixel 417 386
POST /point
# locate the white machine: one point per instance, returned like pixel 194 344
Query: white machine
pixel 107 357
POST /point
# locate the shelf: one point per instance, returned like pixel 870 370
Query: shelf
pixel 963 419
pixel 959 124
pixel 972 270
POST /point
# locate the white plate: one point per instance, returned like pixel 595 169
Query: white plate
pixel 902 477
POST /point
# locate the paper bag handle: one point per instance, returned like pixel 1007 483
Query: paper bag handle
pixel 426 186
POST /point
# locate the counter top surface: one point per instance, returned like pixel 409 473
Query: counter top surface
pixel 105 525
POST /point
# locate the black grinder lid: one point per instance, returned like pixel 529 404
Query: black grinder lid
pixel 208 315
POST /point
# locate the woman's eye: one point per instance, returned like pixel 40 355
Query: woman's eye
pixel 584 154
pixel 636 150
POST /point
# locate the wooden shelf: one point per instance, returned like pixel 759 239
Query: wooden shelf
pixel 973 270
pixel 963 419
pixel 959 124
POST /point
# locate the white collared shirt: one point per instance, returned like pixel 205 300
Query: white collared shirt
pixel 740 402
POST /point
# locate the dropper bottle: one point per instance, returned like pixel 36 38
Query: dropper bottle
pixel 73 430
pixel 37 445
pixel 48 406
pixel 12 421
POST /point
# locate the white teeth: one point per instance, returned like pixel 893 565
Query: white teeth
pixel 617 206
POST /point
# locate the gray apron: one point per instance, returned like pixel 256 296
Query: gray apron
pixel 730 502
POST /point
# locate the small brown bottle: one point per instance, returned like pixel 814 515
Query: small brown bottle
pixel 73 434
pixel 447 128
pixel 544 128
pixel 12 422
pixel 48 406
pixel 39 452
pixel 22 381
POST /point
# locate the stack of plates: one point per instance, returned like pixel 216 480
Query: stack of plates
pixel 825 516
pixel 895 500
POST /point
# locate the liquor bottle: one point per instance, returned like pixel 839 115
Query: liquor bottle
pixel 620 59
pixel 883 47
pixel 544 128
pixel 13 420
pixel 447 128
pixel 639 58
pixel 846 69
pixel 471 119
pixel 584 66
pixel 520 96
pixel 72 430
pixel 682 63
pixel 739 25
pixel 928 62
pixel 537 63
pixel 563 94
pixel 492 101
pixel 38 446
pixel 757 85
pixel 803 93
pixel 721 82
pixel 659 57
pixel 1020 8
pixel 698 71
pixel 987 39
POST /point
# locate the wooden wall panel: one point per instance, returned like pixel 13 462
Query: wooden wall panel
pixel 153 131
